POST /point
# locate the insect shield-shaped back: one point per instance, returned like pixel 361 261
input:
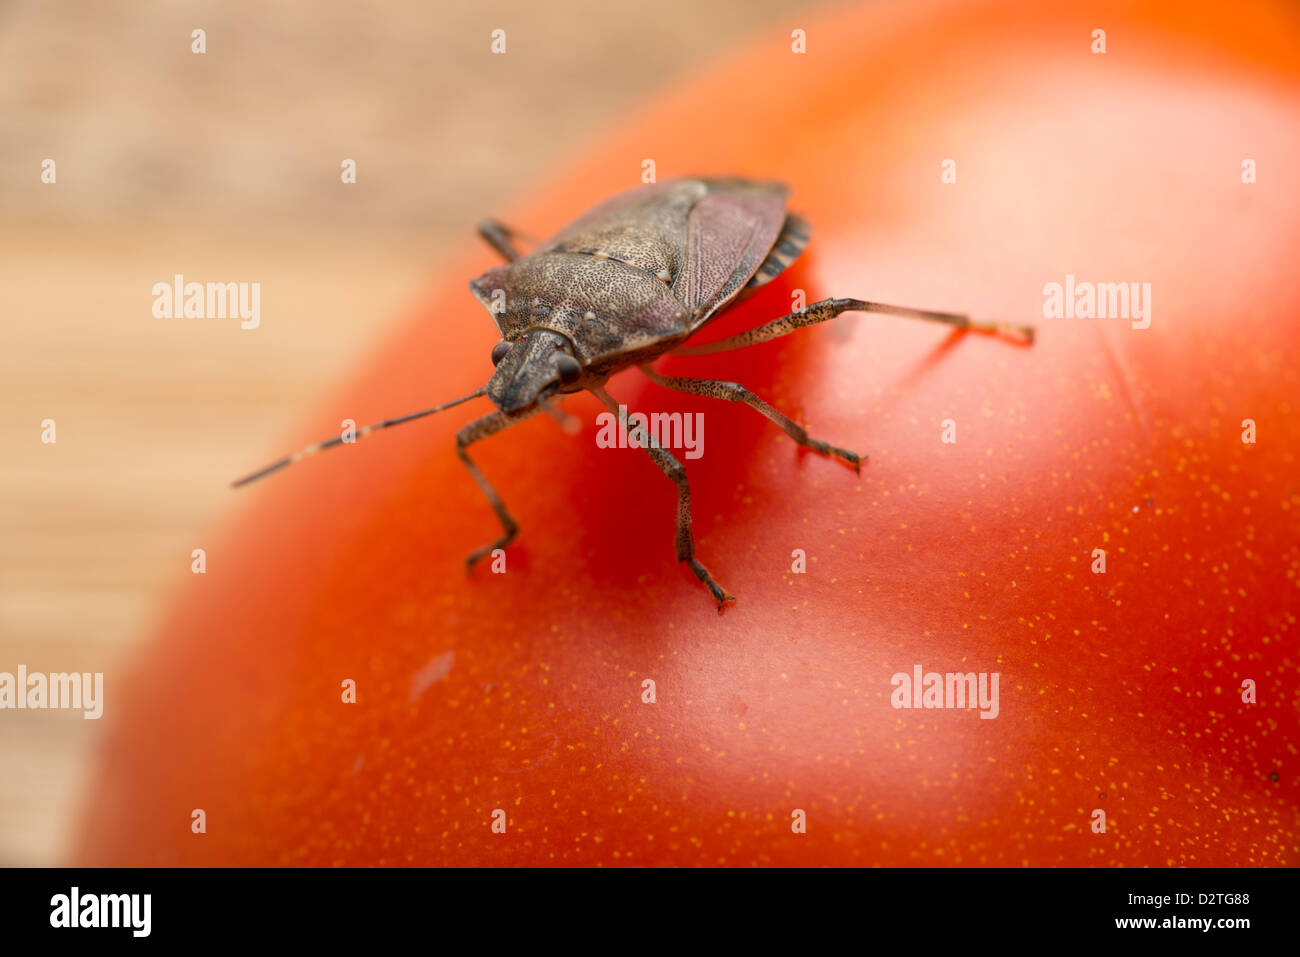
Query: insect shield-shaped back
pixel 637 274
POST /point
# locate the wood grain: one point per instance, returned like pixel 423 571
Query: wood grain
pixel 225 166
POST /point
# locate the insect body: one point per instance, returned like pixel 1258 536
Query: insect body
pixel 629 281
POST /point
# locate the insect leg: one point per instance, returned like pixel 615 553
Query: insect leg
pixel 480 429
pixel 674 469
pixel 498 236
pixel 830 308
pixel 735 392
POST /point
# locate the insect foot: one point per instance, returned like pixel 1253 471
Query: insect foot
pixel 852 458
pixel 719 593
pixel 474 557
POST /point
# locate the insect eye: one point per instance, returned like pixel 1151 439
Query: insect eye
pixel 568 368
pixel 499 351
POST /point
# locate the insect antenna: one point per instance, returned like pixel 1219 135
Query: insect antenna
pixel 338 440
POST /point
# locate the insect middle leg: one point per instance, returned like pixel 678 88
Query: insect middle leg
pixel 830 308
pixel 498 235
pixel 674 469
pixel 735 392
pixel 480 429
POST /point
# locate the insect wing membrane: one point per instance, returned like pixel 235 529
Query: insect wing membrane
pixel 729 234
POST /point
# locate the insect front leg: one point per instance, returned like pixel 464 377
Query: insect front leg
pixel 498 235
pixel 735 392
pixel 830 308
pixel 481 429
pixel 674 469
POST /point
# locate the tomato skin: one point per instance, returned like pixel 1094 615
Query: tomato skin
pixel 523 692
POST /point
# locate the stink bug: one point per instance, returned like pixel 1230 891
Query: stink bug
pixel 627 282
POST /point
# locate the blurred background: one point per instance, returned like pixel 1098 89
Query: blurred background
pixel 226 166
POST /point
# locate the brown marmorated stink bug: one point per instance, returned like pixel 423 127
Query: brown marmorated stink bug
pixel 628 282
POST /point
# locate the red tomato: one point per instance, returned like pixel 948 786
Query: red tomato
pixel 522 693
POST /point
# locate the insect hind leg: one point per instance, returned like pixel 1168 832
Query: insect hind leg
pixel 828 309
pixel 735 392
pixel 673 468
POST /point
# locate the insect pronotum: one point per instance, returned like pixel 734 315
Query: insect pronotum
pixel 627 282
